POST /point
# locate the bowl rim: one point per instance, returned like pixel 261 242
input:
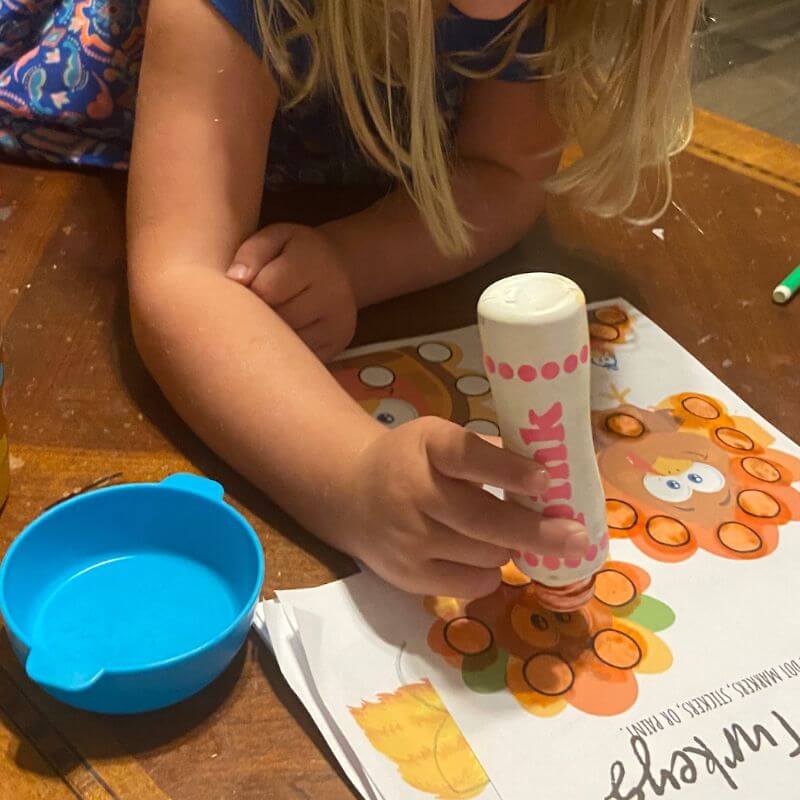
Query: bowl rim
pixel 159 486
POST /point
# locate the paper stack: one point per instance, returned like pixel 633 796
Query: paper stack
pixel 401 742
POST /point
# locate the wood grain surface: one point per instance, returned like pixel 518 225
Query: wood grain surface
pixel 80 406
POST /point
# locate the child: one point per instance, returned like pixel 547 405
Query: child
pixel 440 103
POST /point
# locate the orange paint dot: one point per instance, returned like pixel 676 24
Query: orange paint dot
pixel 624 425
pixel 759 504
pixel 617 649
pixel 613 588
pixel 611 315
pixel 467 636
pixel 735 439
pixel 760 469
pixel 668 531
pixel 548 674
pixel 621 516
pixel 512 575
pixel 606 333
pixel 739 538
pixel 699 407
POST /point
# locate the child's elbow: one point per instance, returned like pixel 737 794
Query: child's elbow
pixel 153 307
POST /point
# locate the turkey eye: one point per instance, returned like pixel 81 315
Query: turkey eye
pixel 705 478
pixel 670 490
pixel 392 411
pixel 539 622
pixel 565 618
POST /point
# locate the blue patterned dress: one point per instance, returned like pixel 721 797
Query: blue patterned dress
pixel 69 71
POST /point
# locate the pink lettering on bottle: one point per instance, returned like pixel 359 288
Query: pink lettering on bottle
pixel 561 492
pixel 547 427
pixel 544 428
pixel 548 455
pixel 557 471
pixel 561 511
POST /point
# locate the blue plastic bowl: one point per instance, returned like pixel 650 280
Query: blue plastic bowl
pixel 134 597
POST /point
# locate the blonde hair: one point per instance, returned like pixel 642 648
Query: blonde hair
pixel 618 85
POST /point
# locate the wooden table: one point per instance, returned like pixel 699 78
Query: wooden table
pixel 81 406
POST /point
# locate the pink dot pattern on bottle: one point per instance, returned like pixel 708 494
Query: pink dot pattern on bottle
pixel 528 372
pixel 570 562
pixel 506 371
pixel 550 370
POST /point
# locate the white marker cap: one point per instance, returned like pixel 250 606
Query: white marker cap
pixel 781 294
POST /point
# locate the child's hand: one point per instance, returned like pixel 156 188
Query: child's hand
pixel 297 271
pixel 422 521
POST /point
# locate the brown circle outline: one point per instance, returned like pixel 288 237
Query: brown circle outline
pixel 758 516
pixel 735 430
pixel 621 633
pixel 671 519
pixel 551 655
pixel 625 503
pixel 616 572
pixel 471 619
pixel 766 461
pixel 697 397
pixel 731 549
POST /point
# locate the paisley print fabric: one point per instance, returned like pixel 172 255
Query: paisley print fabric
pixel 69 71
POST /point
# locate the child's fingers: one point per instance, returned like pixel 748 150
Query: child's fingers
pixel 465 456
pixel 302 311
pixel 447 545
pixel 479 515
pixel 260 248
pixel 316 335
pixel 279 281
pixel 457 580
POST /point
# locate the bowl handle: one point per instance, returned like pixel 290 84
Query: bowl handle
pixel 195 484
pixel 62 672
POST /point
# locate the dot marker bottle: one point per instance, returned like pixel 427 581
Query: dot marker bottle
pixel 535 339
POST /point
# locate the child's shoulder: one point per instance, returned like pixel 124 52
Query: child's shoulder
pixel 240 14
pixel 464 38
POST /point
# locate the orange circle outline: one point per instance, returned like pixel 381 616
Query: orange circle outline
pixel 619 633
pixel 671 519
pixel 608 427
pixel 738 432
pixel 765 461
pixel 758 516
pixel 702 400
pixel 620 316
pixel 470 619
pixel 734 550
pixel 616 572
pixel 628 505
pixel 558 658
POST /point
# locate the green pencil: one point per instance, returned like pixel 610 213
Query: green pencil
pixel 788 287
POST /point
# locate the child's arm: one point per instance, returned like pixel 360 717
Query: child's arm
pixel 404 501
pixel 504 147
pixel 507 143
